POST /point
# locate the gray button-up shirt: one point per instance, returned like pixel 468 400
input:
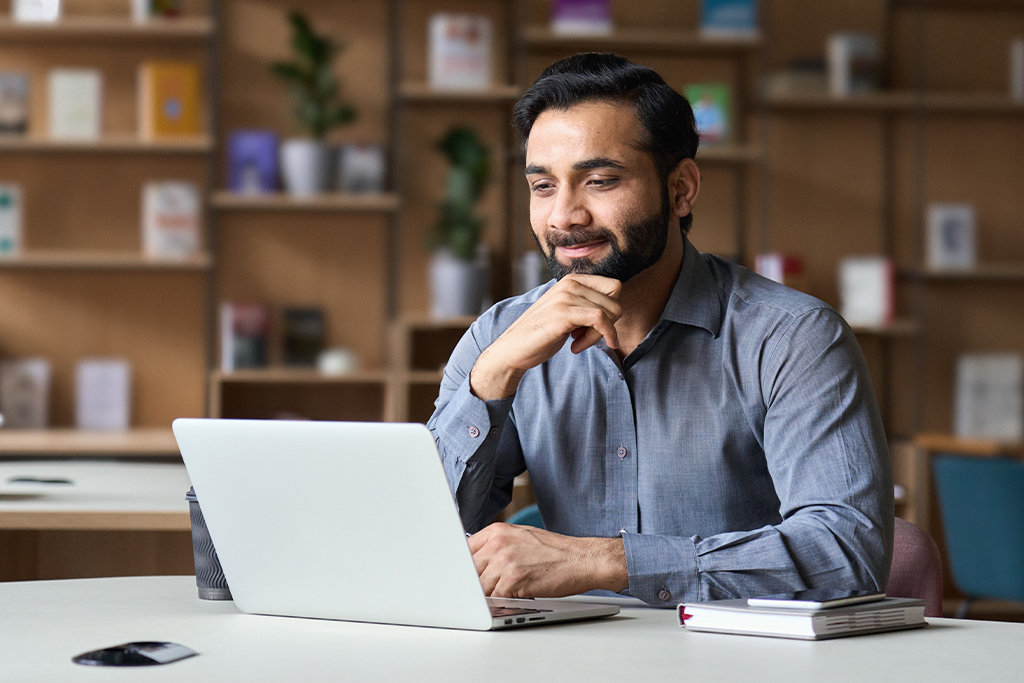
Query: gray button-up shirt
pixel 738 450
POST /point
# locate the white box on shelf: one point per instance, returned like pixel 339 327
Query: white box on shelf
pixel 952 236
pixel 32 11
pixel 853 62
pixel 103 393
pixel 989 401
pixel 76 104
pixel 170 219
pixel 460 51
pixel 25 393
pixel 867 290
pixel 11 202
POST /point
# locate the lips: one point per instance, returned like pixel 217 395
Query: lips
pixel 582 250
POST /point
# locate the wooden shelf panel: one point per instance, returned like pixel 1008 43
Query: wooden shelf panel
pixel 95 521
pixel 983 273
pixel 101 260
pixel 108 28
pixel 73 442
pixel 643 39
pixel 426 322
pixel 899 101
pixel 423 92
pixel 108 145
pixel 728 154
pixel 334 201
pixel 297 376
pixel 905 327
pixel 947 443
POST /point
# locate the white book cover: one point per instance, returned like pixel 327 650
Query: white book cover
pixel 76 104
pixel 25 393
pixel 10 219
pixel 103 394
pixel 29 11
pixel 170 219
pixel 952 236
pixel 989 400
pixel 460 51
pixel 853 63
pixel 867 290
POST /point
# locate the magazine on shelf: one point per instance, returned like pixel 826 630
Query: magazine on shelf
pixel 169 100
pixel 853 63
pixel 171 221
pixel 25 393
pixel 581 17
pixel 728 18
pixel 867 290
pixel 103 393
pixel 35 11
pixel 711 111
pixel 11 202
pixel 460 51
pixel 13 103
pixel 952 236
pixel 253 161
pixel 76 104
pixel 990 397
pixel 244 328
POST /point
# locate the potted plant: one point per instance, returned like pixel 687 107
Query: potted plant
pixel 458 274
pixel 305 161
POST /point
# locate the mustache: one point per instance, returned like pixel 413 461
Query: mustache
pixel 576 237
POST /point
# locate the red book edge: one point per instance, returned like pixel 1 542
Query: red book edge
pixel 683 616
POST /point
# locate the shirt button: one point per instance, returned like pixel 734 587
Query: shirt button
pixel 664 595
pixel 474 432
pixel 622 452
pixel 620 376
pixel 494 431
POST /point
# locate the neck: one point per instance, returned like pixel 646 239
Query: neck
pixel 644 297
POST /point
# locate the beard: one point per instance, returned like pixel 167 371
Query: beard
pixel 644 243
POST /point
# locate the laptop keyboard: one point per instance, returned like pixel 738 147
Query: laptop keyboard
pixel 498 611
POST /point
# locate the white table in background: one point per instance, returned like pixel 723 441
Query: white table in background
pixel 45 623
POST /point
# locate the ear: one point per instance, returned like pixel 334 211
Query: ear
pixel 683 187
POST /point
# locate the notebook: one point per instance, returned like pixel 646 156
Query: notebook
pixel 344 520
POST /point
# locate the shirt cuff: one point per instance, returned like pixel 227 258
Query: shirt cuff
pixel 662 569
pixel 473 421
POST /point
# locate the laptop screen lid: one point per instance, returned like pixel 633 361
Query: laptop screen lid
pixel 334 520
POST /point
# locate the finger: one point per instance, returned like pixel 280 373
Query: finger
pixel 606 285
pixel 593 296
pixel 480 538
pixel 599 326
pixel 488 581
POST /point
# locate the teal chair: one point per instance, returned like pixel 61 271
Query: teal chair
pixel 528 516
pixel 982 504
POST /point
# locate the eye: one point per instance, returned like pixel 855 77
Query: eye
pixel 540 186
pixel 602 182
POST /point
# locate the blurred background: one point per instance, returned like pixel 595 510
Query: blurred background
pixel 294 209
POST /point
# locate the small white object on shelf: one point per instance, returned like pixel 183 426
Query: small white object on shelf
pixel 952 236
pixel 35 11
pixel 361 168
pixel 11 202
pixel 867 290
pixel 76 104
pixel 170 219
pixel 25 392
pixel 337 361
pixel 1017 69
pixel 460 51
pixel 853 63
pixel 103 394
pixel 989 400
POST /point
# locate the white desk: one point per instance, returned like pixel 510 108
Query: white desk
pixel 45 623
pixel 104 495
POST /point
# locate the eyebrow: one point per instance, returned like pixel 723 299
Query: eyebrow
pixel 585 165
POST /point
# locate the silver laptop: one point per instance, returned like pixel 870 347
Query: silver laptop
pixel 344 520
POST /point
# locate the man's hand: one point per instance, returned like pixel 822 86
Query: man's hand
pixel 525 562
pixel 583 306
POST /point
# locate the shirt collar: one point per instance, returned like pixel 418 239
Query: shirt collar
pixel 695 297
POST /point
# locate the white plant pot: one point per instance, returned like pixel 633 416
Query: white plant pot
pixel 456 286
pixel 305 166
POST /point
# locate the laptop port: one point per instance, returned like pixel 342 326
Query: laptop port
pixel 520 620
pixel 508 621
pixel 536 618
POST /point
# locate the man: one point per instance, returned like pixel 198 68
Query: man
pixel 692 431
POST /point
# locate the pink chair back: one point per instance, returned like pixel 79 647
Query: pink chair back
pixel 916 568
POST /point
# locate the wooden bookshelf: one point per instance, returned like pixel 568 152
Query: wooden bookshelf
pixel 283 393
pixel 297 376
pixel 108 28
pixel 101 260
pixel 138 442
pixel 906 101
pixel 123 144
pixel 423 92
pixel 632 39
pixel 729 154
pixel 902 327
pixel 334 201
pixel 989 272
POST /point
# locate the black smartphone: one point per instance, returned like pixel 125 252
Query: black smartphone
pixel 143 653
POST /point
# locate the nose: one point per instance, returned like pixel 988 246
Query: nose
pixel 568 210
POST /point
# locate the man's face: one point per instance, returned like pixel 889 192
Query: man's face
pixel 597 205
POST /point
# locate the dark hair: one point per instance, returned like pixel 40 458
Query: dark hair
pixel 670 132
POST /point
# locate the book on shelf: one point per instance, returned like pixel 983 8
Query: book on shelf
pixel 989 401
pixel 728 18
pixel 853 63
pixel 103 393
pixel 738 617
pixel 244 328
pixel 171 219
pixel 35 11
pixel 302 333
pixel 581 17
pixel 253 162
pixel 801 76
pixel 786 269
pixel 170 94
pixel 952 236
pixel 460 51
pixel 11 202
pixel 146 10
pixel 867 290
pixel 711 111
pixel 25 393
pixel 13 103
pixel 1017 69
pixel 362 168
pixel 76 104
